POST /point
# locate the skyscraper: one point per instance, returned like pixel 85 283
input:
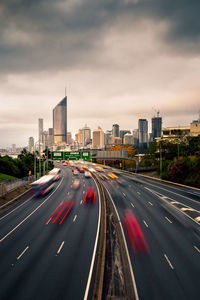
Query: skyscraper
pixel 30 144
pixel 122 134
pixel 115 130
pixel 128 139
pixel 60 122
pixel 143 131
pixel 86 135
pixel 156 126
pixel 98 138
pixel 50 137
pixel 40 130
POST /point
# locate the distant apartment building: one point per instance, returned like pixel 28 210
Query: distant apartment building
pixel 156 127
pixel 50 138
pixel 108 135
pixel 69 138
pixel 40 134
pixel 98 139
pixel 135 137
pixel 143 131
pixel 60 122
pixel 45 140
pixel 86 131
pixel 122 133
pixel 115 130
pixel 195 127
pixel 171 133
pixel 13 148
pixel 30 144
pixel 128 139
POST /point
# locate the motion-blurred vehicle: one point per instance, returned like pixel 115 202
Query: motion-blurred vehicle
pixel 43 185
pixel 75 172
pixel 76 184
pixel 113 176
pixel 90 196
pixel 87 174
pixel 134 232
pixel 56 172
pixel 99 169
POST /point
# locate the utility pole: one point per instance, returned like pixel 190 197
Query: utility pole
pixel 160 161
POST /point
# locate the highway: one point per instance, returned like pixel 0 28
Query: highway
pixel 165 213
pixel 47 255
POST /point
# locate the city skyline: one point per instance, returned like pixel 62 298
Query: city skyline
pixel 119 60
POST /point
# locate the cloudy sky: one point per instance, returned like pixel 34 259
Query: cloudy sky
pixel 119 59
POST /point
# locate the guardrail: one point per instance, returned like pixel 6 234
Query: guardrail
pixel 10 185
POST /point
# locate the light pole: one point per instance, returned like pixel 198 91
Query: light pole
pixel 160 161
pixel 35 162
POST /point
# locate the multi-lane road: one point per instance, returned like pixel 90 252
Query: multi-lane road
pixel 47 255
pixel 48 244
pixel 171 268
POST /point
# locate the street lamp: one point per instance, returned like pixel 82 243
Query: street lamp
pixel 160 160
pixel 35 161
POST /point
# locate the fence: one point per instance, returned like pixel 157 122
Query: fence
pixel 9 185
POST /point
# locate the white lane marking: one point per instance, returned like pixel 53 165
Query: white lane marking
pixel 138 193
pixel 127 253
pixel 95 249
pixel 172 192
pixel 169 262
pixel 145 223
pixel 132 204
pixel 60 247
pixel 83 192
pixel 75 218
pixel 16 208
pixel 5 236
pixel 124 194
pixel 81 202
pixel 197 248
pixel 170 202
pixel 168 220
pixel 68 193
pixel 150 203
pixel 22 252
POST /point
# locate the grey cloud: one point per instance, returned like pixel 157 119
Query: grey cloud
pixel 47 34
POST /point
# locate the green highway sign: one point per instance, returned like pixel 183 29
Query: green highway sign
pixel 70 155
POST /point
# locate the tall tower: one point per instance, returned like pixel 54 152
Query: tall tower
pixel 60 122
pixel 143 131
pixel 156 126
pixel 40 133
pixel 115 130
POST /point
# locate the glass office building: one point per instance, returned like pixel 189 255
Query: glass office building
pixel 60 122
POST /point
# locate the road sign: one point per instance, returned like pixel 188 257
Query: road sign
pixel 70 155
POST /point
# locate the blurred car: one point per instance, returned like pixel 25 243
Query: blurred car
pixel 99 169
pixel 87 174
pixel 90 196
pixel 134 232
pixel 113 176
pixel 76 184
pixel 75 172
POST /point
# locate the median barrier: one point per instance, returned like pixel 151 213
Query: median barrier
pixel 100 258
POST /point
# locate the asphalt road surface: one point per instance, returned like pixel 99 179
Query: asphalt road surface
pixel 50 258
pixel 171 268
